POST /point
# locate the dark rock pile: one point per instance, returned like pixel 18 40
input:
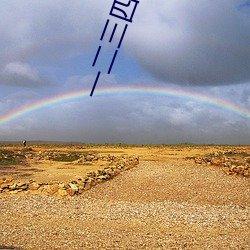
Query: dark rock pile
pixel 76 157
pixel 75 186
pixel 233 163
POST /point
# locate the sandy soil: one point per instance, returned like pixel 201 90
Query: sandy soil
pixel 167 202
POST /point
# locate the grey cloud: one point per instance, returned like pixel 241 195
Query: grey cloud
pixel 77 82
pixel 137 119
pixel 20 74
pixel 43 32
pixel 192 43
pixel 238 94
pixel 48 30
pixel 180 41
pixel 184 42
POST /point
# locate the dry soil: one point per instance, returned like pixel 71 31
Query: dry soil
pixel 167 202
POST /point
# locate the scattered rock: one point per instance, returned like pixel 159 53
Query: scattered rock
pixel 52 189
pixel 62 185
pixel 74 187
pixel 79 184
pixel 232 162
pixel 34 186
pixel 62 192
pixel 13 186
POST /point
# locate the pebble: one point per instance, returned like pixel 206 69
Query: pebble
pixel 136 210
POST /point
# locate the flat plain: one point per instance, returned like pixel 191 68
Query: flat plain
pixel 177 197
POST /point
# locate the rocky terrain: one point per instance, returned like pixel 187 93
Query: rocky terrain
pixel 167 201
pixel 114 166
pixel 232 162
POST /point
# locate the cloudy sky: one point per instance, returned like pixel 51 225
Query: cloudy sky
pixel 47 49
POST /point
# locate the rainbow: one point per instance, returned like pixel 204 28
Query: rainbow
pixel 128 91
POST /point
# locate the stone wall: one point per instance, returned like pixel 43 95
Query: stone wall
pixel 78 185
pixel 232 163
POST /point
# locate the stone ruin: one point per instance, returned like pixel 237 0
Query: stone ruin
pixel 232 162
pixel 77 186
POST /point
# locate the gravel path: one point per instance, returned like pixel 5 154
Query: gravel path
pixel 174 205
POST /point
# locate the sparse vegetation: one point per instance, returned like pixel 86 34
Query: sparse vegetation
pixel 66 157
pixel 8 157
pixel 167 201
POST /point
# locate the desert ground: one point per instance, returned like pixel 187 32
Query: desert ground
pixel 102 197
